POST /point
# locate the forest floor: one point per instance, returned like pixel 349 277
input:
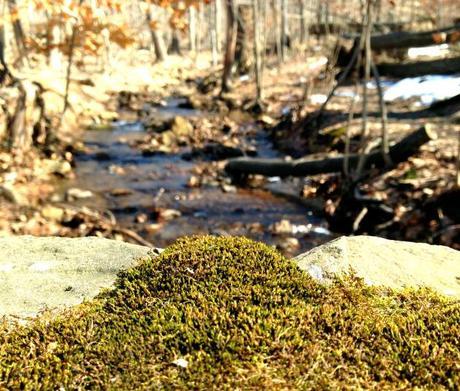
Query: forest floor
pixel 41 198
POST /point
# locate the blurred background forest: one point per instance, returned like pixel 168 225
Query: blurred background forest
pixel 288 121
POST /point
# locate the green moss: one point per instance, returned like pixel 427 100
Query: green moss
pixel 243 317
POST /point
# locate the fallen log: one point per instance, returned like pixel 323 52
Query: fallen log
pixel 420 68
pixel 441 108
pixel 406 39
pixel 337 28
pixel 399 152
pixel 397 41
pixel 328 28
pixel 445 107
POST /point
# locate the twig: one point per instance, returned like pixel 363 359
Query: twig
pixel 355 59
pixel 133 235
pixel 342 78
pixel 367 70
pixel 458 161
pixel 384 116
pixel 111 216
pixel 359 219
pixel 109 223
pixel 454 227
pixel 69 65
pixel 346 161
pixel 363 159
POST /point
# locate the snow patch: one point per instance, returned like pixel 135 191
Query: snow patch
pixel 6 267
pixel 41 266
pixel 428 89
pixel 318 99
pixel 428 51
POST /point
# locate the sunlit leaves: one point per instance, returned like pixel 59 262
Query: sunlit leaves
pixel 93 22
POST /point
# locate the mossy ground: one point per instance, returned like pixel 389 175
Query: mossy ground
pixel 243 317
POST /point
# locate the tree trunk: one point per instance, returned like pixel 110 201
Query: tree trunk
pixel 229 56
pixel 157 40
pixel 218 24
pixel 244 58
pixel 159 45
pixel 284 28
pixel 326 17
pixel 257 50
pixel 69 66
pixel 192 29
pixel 3 66
pixel 201 31
pixel 174 47
pixel 214 34
pixel 264 34
pixel 22 123
pixel 276 5
pixel 55 59
pixel 18 31
pixel 302 25
pixel 364 142
pixel 399 152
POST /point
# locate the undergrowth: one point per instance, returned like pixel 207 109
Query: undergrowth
pixel 239 315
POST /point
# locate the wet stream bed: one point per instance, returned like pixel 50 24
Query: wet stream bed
pixel 135 187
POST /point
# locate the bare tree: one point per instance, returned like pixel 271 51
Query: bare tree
pixel 284 28
pixel 229 56
pixel 174 47
pixel 367 29
pixel 276 5
pixel 192 29
pixel 302 22
pixel 214 33
pixel 157 40
pixel 69 65
pixel 458 162
pixel 18 31
pixel 257 50
pixel 3 66
pixel 217 7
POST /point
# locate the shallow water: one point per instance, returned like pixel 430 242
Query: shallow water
pixel 160 182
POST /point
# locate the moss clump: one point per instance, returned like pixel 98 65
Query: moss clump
pixel 242 316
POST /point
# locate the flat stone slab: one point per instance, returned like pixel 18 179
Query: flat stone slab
pixel 38 273
pixel 386 262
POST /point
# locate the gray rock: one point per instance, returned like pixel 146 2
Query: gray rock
pixel 53 273
pixel 386 262
pixel 181 127
pixel 74 193
pixel 59 167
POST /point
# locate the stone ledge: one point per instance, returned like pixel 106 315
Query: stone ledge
pixel 386 262
pixel 38 273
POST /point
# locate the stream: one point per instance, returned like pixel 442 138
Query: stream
pixel 130 185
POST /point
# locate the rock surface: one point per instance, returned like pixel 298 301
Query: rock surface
pixel 386 262
pixel 52 272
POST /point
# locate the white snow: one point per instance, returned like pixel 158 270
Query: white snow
pixel 318 99
pixel 41 266
pixel 428 51
pixel 6 267
pixel 428 89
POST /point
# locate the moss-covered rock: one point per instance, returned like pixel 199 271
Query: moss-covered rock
pixel 231 313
